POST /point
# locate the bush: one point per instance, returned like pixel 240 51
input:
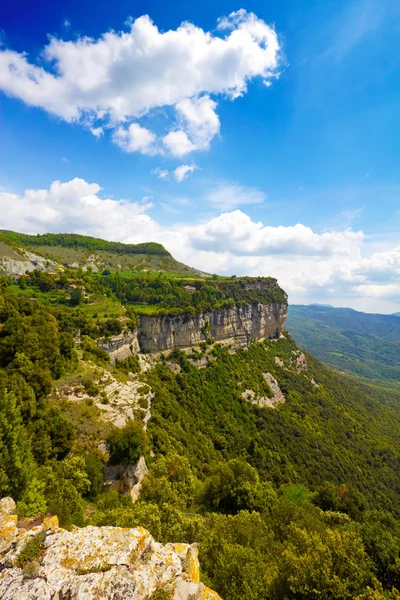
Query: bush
pixel 127 444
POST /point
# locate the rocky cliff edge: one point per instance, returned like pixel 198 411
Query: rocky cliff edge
pixel 41 561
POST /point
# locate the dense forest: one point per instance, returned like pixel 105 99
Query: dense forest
pixel 74 240
pixel 297 502
pixel 150 293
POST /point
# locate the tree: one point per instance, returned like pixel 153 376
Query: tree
pixel 16 460
pixel 127 444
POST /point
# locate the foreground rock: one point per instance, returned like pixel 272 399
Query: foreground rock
pixel 46 562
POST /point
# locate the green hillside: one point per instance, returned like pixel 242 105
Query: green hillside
pixel 362 344
pixel 85 251
pixel 285 473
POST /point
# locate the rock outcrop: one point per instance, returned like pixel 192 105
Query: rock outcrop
pixel 126 479
pixel 238 326
pixel 121 346
pixel 46 562
pixel 28 262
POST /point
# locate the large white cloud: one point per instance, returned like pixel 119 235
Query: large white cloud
pixel 75 206
pixel 236 233
pixel 311 266
pixel 122 76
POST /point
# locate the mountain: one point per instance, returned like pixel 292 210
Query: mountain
pixel 181 405
pixel 20 252
pixel 362 344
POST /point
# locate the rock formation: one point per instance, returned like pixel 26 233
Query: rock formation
pixel 44 562
pixel 121 346
pixel 238 326
pixel 27 262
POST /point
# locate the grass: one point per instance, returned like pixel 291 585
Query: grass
pixel 114 261
pixel 145 309
pixel 8 252
pixel 32 551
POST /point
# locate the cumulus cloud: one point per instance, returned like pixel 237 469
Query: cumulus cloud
pixel 199 124
pixel 135 139
pixel 227 196
pixel 77 206
pixel 236 233
pixel 121 76
pixel 311 266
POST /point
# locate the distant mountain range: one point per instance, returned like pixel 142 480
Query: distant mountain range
pixel 362 344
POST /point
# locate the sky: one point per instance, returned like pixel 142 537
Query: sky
pixel 250 138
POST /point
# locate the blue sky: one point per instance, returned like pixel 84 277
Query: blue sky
pixel 263 143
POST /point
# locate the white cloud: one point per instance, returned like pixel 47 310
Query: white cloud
pixel 184 171
pixel 135 139
pixel 75 206
pixel 201 122
pixel 179 174
pixel 311 266
pixel 236 233
pixel 161 173
pixel 122 76
pixel 227 196
pixel 97 131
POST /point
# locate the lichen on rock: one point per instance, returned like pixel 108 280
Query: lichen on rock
pixel 94 563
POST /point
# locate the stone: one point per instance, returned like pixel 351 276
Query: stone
pixel 8 531
pixel 7 506
pixel 126 480
pixel 99 563
pixel 238 326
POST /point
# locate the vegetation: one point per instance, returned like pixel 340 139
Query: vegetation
pixel 297 502
pixel 364 345
pixel 96 295
pixel 33 550
pixel 74 240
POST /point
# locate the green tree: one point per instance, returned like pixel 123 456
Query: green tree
pixel 127 444
pixel 16 460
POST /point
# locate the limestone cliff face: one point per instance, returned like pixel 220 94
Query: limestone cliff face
pixel 93 563
pixel 121 346
pixel 238 326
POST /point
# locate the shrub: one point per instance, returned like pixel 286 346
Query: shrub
pixel 127 444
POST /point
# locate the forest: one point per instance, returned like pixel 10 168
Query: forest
pixel 148 293
pixel 296 502
pixel 74 240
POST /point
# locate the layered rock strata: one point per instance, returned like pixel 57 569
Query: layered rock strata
pixel 238 326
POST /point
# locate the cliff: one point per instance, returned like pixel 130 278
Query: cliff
pixel 258 311
pixel 43 561
pixel 238 326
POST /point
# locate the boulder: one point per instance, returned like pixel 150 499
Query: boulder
pixel 96 563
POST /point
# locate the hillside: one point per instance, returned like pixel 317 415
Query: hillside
pixel 362 344
pixel 285 474
pixel 83 251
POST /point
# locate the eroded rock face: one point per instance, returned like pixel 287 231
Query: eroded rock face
pixel 95 563
pixel 28 262
pixel 121 346
pixel 127 480
pixel 238 326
